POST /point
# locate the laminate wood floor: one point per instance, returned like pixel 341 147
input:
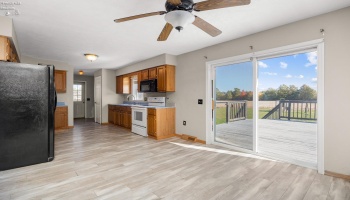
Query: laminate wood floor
pixel 107 162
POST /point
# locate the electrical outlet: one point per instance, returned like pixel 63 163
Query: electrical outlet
pixel 200 101
pixel 184 123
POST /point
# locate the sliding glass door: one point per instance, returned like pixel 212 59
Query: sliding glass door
pixel 269 105
pixel 233 104
pixel 287 125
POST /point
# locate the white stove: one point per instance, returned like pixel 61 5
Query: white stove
pixel 139 115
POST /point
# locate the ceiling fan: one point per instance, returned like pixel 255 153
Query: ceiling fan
pixel 178 14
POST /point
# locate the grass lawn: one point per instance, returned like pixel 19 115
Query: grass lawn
pixel 221 114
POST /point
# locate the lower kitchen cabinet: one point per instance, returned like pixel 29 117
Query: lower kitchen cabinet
pixel 119 115
pixel 61 117
pixel 111 114
pixel 161 123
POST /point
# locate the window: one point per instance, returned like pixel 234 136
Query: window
pixel 134 91
pixel 77 92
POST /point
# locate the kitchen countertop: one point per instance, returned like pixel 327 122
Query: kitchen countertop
pixel 132 105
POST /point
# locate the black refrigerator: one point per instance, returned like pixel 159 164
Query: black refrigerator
pixel 27 105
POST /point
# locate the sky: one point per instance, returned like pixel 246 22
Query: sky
pixel 295 70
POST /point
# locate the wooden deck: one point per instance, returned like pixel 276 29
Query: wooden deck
pixel 295 142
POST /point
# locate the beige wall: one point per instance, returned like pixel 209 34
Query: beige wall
pixel 6 26
pixel 61 97
pixel 109 95
pixel 152 62
pixel 191 85
pixel 7 29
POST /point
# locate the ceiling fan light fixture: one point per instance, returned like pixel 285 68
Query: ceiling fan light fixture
pixel 179 19
pixel 91 57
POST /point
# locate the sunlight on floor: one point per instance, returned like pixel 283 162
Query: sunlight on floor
pixel 235 153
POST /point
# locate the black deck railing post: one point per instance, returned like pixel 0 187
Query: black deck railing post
pixel 279 111
pixel 227 113
pixel 289 108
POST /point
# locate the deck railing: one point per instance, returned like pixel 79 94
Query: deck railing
pixel 294 109
pixel 235 110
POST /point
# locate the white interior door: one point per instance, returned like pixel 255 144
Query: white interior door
pixel 98 94
pixel 79 99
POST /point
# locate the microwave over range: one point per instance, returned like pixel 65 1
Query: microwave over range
pixel 148 86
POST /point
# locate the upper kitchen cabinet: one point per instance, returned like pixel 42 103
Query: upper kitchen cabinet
pixel 127 84
pixel 152 73
pixel 7 50
pixel 60 81
pixel 119 86
pixel 166 78
pixel 139 74
pixel 144 75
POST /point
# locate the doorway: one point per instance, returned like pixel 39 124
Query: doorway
pixel 98 96
pixel 246 116
pixel 79 98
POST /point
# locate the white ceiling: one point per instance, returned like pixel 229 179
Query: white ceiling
pixel 63 30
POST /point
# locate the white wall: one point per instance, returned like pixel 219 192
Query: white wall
pixel 191 85
pixel 61 97
pixel 109 95
pixel 7 29
pixel 5 26
pixel 90 105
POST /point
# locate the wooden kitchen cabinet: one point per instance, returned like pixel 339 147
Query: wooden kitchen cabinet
pixel 161 123
pixel 120 115
pixel 111 114
pixel 144 75
pixel 61 81
pixel 7 50
pixel 61 117
pixel 139 74
pixel 119 86
pixel 126 84
pixel 166 78
pixel 152 73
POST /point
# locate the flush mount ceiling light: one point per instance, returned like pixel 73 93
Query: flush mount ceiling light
pixel 91 57
pixel 81 72
pixel 179 19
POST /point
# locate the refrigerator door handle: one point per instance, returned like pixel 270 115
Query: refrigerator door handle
pixel 55 101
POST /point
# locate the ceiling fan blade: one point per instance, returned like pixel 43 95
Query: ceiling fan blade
pixel 206 27
pixel 139 16
pixel 215 4
pixel 174 2
pixel 165 32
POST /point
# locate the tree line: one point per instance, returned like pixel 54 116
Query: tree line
pixel 291 92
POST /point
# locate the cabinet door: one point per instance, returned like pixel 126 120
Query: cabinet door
pixel 117 117
pixel 161 82
pixel 3 48
pixel 111 115
pixel 144 75
pixel 119 85
pixel 60 81
pixel 129 119
pixel 126 85
pixel 61 118
pixel 138 80
pixel 152 73
pixel 151 125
